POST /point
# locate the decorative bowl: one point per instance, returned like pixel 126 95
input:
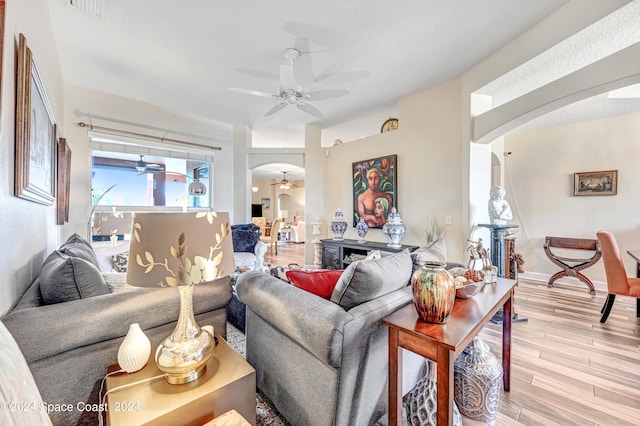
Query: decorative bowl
pixel 469 290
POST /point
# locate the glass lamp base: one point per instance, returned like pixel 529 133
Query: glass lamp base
pixel 184 354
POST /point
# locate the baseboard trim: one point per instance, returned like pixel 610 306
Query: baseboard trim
pixel 544 278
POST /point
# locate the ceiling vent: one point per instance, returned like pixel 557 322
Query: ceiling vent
pixel 92 7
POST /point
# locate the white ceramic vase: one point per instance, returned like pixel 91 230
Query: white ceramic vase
pixel 338 225
pixel 394 229
pixel 134 350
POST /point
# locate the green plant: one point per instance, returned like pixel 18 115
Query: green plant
pixel 435 230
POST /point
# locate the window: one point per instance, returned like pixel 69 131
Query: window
pixel 136 180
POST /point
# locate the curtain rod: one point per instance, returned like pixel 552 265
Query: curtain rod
pixel 141 135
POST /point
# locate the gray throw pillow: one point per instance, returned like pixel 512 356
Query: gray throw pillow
pixel 76 246
pixel 63 278
pixel 365 280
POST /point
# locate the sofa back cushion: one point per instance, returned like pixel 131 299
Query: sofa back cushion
pixel 246 227
pixel 76 246
pixel 245 237
pixel 17 386
pixel 318 282
pixel 64 278
pixel 365 280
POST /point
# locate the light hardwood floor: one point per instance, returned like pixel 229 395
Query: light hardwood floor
pixel 288 253
pixel 566 367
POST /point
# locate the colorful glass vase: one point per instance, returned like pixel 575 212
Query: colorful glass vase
pixel 434 292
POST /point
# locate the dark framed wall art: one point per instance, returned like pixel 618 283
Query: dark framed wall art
pixel 374 190
pixel 596 183
pixel 35 151
pixel 63 182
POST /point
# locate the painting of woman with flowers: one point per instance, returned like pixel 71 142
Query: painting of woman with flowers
pixel 374 190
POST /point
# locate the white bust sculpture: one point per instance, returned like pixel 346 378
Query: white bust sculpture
pixel 499 210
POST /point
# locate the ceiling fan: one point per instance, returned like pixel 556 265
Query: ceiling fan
pixel 143 166
pixel 284 183
pixel 293 94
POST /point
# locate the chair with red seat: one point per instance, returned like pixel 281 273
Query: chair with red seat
pixel 617 281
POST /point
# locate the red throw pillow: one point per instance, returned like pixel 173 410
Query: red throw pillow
pixel 319 282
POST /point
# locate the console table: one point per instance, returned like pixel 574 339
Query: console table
pixel 338 254
pixel 442 343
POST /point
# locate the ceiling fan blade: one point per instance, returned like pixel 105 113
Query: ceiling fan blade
pixel 275 109
pixel 339 77
pixel 302 71
pixel 271 76
pixel 309 109
pixel 320 95
pixel 253 92
pixel 287 79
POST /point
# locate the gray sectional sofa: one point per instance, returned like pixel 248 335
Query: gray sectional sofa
pixel 324 362
pixel 69 344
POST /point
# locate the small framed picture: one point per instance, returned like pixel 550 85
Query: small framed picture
pixel 596 183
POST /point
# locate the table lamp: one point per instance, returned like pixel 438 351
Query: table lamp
pixel 181 250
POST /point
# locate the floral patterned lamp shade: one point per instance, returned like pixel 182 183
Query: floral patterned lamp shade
pixel 111 223
pixel 174 249
pixel 180 250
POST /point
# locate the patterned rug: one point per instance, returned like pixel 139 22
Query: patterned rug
pixel 266 414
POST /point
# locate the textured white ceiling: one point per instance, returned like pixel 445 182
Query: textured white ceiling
pixel 186 55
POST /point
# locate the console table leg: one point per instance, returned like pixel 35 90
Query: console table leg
pixel 395 379
pixel 506 345
pixel 445 368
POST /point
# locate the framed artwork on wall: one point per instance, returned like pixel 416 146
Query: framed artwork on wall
pixel 596 183
pixel 35 167
pixel 374 190
pixel 63 182
pixel 266 203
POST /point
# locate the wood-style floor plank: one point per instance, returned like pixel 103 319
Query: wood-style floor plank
pixel 567 368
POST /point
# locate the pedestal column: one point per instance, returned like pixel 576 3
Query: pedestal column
pixel 498 254
pixel 317 245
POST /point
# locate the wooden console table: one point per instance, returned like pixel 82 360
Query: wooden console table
pixel 442 343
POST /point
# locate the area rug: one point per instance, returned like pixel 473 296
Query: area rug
pixel 266 414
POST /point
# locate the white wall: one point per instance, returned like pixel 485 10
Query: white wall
pixel 429 149
pixel 28 231
pixel 117 112
pixel 539 178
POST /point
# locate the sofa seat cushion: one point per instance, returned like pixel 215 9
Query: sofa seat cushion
pixel 244 259
pixel 18 386
pixel 63 278
pixel 76 246
pixel 319 282
pixel 368 279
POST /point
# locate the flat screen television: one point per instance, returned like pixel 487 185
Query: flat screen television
pixel 256 210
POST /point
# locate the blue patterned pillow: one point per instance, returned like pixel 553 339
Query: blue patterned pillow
pixel 244 241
